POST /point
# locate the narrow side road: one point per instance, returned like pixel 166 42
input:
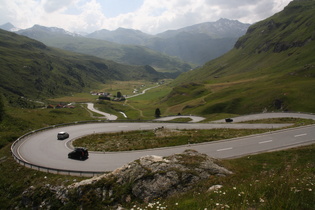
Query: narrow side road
pixel 90 106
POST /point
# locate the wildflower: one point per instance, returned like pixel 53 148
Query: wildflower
pixel 217 204
pixel 234 188
pixel 261 200
pixel 310 189
pixel 176 204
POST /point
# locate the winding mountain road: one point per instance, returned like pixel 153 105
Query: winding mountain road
pixel 43 148
pixel 90 106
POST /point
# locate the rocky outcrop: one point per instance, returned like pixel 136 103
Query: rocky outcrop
pixel 146 179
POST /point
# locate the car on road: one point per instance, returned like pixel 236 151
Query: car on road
pixel 62 135
pixel 79 153
pixel 228 120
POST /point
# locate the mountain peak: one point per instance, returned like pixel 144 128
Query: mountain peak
pixel 50 30
pixel 9 27
pixel 220 29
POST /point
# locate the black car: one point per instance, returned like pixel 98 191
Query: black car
pixel 228 120
pixel 79 153
pixel 62 135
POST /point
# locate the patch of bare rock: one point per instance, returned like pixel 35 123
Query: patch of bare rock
pixel 145 179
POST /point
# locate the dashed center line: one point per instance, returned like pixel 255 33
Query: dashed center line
pixel 224 149
pixel 299 135
pixel 263 142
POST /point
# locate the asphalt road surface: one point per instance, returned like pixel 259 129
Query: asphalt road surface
pixel 43 148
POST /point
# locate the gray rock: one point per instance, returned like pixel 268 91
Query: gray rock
pixel 155 177
pixel 149 178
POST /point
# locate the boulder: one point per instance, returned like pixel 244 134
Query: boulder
pixel 153 177
pixel 148 178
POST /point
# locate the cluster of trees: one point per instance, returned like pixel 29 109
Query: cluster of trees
pixel 118 97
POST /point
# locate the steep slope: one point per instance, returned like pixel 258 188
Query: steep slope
pixel 31 69
pixel 193 47
pixel 126 54
pixel 271 68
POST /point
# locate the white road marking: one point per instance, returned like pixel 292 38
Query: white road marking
pixel 263 142
pixel 224 149
pixel 122 126
pixel 299 135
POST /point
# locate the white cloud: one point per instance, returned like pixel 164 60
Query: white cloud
pixel 159 15
pixel 55 5
pixel 152 16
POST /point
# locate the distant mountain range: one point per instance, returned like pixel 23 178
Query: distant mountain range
pixel 125 54
pixel 195 44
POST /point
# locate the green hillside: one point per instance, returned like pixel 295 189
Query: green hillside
pixel 30 69
pixel 271 68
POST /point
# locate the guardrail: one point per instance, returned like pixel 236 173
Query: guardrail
pixel 53 170
pixel 57 171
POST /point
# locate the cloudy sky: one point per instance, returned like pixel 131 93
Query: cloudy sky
pixel 150 16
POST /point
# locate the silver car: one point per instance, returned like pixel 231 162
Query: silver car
pixel 62 135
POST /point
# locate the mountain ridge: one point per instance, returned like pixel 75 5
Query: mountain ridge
pixel 195 44
pixel 221 28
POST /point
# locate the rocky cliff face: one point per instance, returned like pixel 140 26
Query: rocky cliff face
pixel 146 179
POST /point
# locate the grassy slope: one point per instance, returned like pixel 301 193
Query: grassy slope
pixel 273 63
